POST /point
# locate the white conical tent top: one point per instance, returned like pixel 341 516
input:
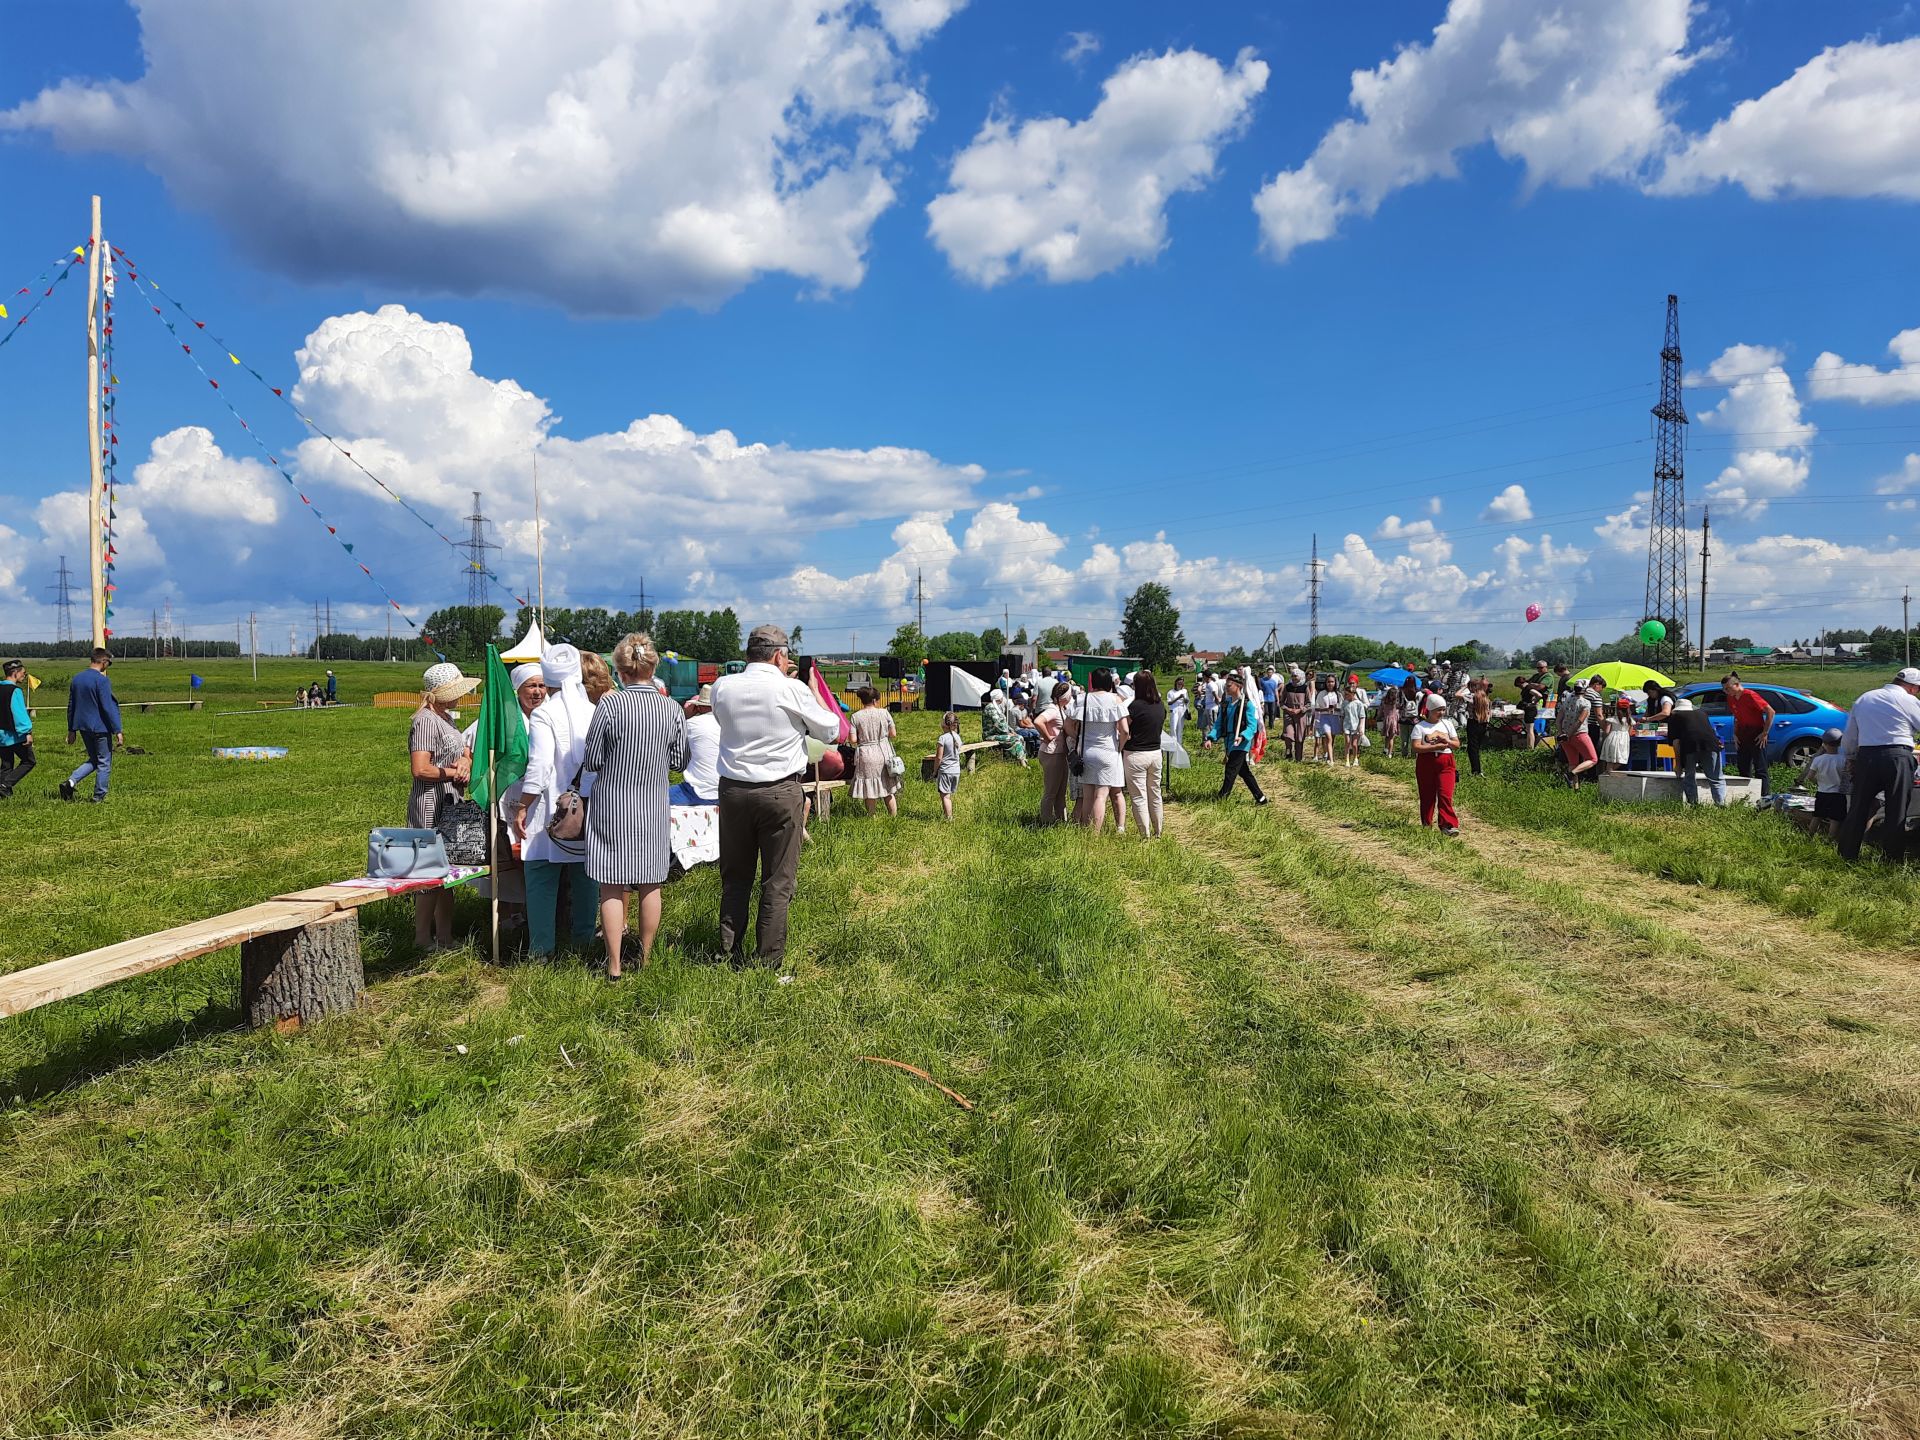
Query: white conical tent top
pixel 529 647
pixel 968 691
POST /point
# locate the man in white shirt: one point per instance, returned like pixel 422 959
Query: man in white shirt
pixel 1878 748
pixel 765 716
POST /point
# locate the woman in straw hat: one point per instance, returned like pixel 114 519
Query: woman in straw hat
pixel 441 766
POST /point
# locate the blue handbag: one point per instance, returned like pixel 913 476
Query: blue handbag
pixel 399 854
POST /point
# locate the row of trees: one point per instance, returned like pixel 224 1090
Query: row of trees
pixel 465 631
pixel 698 634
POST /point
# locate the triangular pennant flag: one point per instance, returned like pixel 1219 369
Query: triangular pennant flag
pixel 3 312
pixel 233 357
pixel 349 549
pixel 274 388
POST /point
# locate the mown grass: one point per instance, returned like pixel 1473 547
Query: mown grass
pixel 1220 1179
pixel 1738 849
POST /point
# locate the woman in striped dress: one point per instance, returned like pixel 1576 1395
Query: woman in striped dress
pixel 637 736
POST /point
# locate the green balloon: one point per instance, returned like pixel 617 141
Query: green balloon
pixel 1652 632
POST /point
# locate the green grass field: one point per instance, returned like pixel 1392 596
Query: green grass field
pixel 1599 1122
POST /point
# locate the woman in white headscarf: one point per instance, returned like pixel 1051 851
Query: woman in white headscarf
pixel 556 746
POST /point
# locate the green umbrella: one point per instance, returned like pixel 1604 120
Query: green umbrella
pixel 1622 675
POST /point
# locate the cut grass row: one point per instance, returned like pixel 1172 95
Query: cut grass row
pixel 1749 1085
pixel 1214 1185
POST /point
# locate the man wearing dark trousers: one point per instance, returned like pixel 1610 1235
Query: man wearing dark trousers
pixel 1237 727
pixel 1752 726
pixel 765 716
pixel 16 727
pixel 1878 750
pixel 93 717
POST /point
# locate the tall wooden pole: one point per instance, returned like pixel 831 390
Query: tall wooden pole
pixel 96 483
pixel 539 552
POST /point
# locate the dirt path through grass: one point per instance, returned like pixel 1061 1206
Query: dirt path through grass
pixel 1753 1107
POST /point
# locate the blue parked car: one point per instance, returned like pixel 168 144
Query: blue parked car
pixel 1799 719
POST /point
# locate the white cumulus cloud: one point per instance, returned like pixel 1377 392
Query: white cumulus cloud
pixel 1906 478
pixel 1832 378
pixel 1845 123
pixel 610 155
pixel 1761 414
pixel 1511 505
pixel 1574 91
pixel 1071 199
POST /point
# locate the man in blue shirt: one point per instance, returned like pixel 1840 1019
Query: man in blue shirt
pixel 16 727
pixel 1269 696
pixel 1238 727
pixel 1878 751
pixel 94 716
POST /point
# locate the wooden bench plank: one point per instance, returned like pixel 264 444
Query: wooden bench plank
pixel 77 974
pixel 341 897
pixel 969 754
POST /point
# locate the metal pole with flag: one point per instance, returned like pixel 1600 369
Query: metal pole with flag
pixel 501 735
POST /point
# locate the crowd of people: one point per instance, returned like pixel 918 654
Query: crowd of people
pixel 591 814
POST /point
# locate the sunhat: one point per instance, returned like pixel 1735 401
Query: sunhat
pixel 444 683
pixel 701 702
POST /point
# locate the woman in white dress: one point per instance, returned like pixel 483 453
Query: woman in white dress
pixel 1096 729
pixel 556 749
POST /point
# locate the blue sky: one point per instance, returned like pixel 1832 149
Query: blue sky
pixel 1043 301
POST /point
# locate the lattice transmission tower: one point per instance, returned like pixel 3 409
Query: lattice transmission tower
pixel 1667 531
pixel 475 548
pixel 62 589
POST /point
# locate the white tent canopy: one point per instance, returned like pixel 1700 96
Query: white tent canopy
pixel 529 647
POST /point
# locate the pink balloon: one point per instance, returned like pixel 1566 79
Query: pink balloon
pixel 1533 613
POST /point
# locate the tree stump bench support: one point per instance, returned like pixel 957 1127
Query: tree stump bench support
pixel 303 974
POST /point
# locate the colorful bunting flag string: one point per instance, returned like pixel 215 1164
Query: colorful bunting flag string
pixel 135 280
pixel 200 326
pixel 60 269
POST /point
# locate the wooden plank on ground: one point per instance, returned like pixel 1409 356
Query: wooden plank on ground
pixel 77 974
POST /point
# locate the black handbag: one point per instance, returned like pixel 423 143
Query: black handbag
pixel 462 827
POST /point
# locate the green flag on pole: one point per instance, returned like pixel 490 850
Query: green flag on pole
pixel 502 733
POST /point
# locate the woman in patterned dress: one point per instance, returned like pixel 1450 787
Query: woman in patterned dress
pixel 873 777
pixel 637 736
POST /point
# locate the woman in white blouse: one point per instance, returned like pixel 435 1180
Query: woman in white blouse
pixel 556 745
pixel 1096 729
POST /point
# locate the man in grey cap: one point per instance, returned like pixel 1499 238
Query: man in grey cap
pixel 765 716
pixel 1878 749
